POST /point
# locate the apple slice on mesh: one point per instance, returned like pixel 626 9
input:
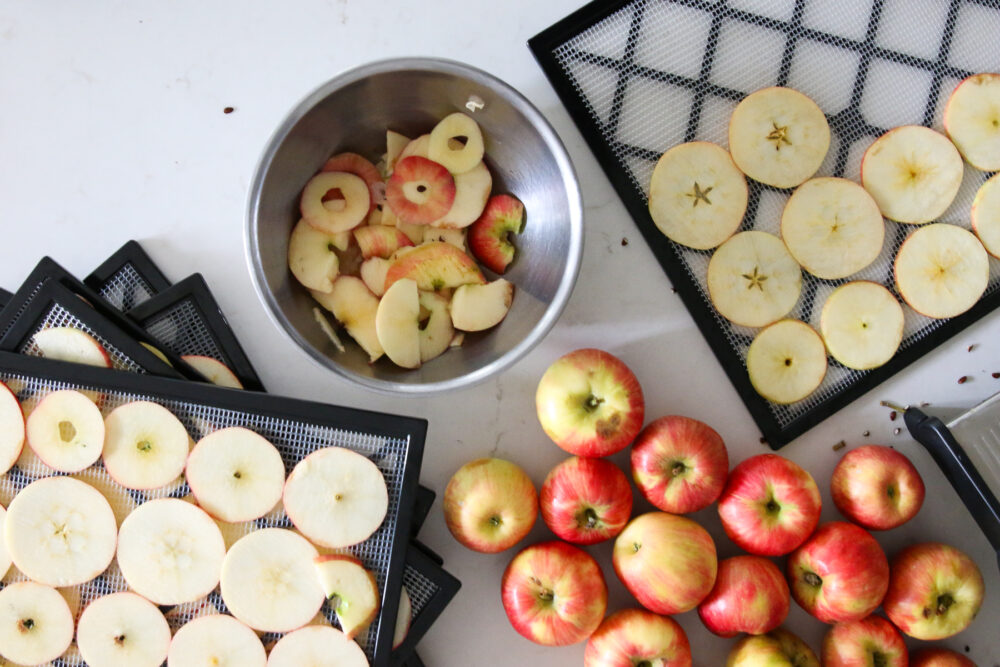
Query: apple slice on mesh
pixel 69 344
pixel 123 630
pixel 354 306
pixel 832 227
pixel 697 196
pixel 12 428
pixel 170 551
pixel 434 266
pixel 420 191
pixel 316 645
pixel 985 216
pixel 753 280
pixel 479 307
pixel 351 590
pixel 397 323
pixel 456 142
pixel 145 445
pixel 235 474
pixel 778 136
pixel 217 639
pixel 213 370
pixel 404 617
pixel 472 190
pixel 972 120
pixel 941 270
pixel 312 258
pixel 489 236
pixel 862 325
pixel 913 173
pixel 66 431
pixel 786 361
pixel 336 497
pixel 335 201
pixel 36 625
pixel 436 331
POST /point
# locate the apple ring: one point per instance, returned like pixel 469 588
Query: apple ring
pixel 331 217
pixel 446 145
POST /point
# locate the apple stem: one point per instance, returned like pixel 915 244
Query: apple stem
pixel 592 403
pixel 943 602
pixel 813 579
pixel 495 521
pixel 678 469
pixel 879 660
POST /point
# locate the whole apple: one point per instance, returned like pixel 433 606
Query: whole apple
pixel 870 641
pixel 554 593
pixel 939 657
pixel 490 505
pixel 631 637
pixel 770 505
pixel 877 487
pixel 840 574
pixel 590 403
pixel 679 464
pixel 586 501
pixel 778 648
pixel 667 562
pixel 750 595
pixel 935 591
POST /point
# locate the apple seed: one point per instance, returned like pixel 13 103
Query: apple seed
pixel 25 625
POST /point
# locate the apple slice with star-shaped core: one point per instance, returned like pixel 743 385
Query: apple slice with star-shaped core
pixel 324 213
pixel 941 270
pixel 786 361
pixel 972 120
pixel 986 215
pixel 351 590
pixel 69 344
pixel 216 639
pixel 312 258
pixel 316 645
pixel 862 324
pixel 145 445
pixel 397 323
pixel 753 280
pixel 123 630
pixel 12 428
pixel 354 306
pixel 36 625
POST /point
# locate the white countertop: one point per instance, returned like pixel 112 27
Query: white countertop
pixel 112 127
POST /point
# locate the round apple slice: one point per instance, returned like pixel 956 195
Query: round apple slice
pixel 69 344
pixel 697 196
pixel 66 431
pixel 753 280
pixel 941 270
pixel 218 640
pixel 122 630
pixel 420 191
pixel 862 325
pixel 985 216
pixel 778 136
pixel 832 227
pixel 36 625
pixel 330 215
pixel 336 497
pixel 60 531
pixel 457 143
pixel 318 646
pixel 12 428
pixel 235 474
pixel 170 551
pixel 311 257
pixel 145 445
pixel 913 173
pixel 351 590
pixel 213 370
pixel 786 361
pixel 397 323
pixel 972 120
pixel 269 580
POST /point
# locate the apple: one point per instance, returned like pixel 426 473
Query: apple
pixel 862 324
pixel 397 323
pixel 436 329
pixel 750 595
pixel 73 345
pixel 455 237
pixel 877 487
pixel 457 143
pixel 145 445
pixel 419 191
pixel 941 270
pixel 590 403
pixel 679 464
pixel 667 562
pixel 939 657
pixel 935 591
pixel 490 505
pixel 354 306
pixel 394 145
pixel 869 641
pixel 36 625
pixel 213 370
pixel 479 307
pixel 554 594
pixel 489 236
pixel 972 122
pixel 631 637
pixel 373 272
pixel 216 639
pixel 586 501
pixel 786 361
pixel 770 505
pixel 434 266
pixel 778 648
pixel 985 215
pixel 333 217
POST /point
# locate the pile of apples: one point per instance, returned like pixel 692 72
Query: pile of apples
pixel 554 593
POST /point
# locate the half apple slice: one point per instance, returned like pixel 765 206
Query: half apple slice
pixel 351 590
pixel 753 280
pixel 786 361
pixel 986 215
pixel 12 429
pixel 862 325
pixel 213 370
pixel 216 639
pixel 73 345
pixel 479 307
pixel 397 323
pixel 316 645
pixel 972 120
pixel 941 270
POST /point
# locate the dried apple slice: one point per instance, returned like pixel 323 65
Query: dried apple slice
pixel 397 323
pixel 985 217
pixel 122 630
pixel 941 270
pixel 420 191
pixel 351 590
pixel 972 120
pixel 862 325
pixel 312 257
pixel 145 445
pixel 472 190
pixel 786 361
pixel 329 215
pixel 69 344
pixel 457 143
pixel 319 645
pixel 66 431
pixel 217 639
pixel 437 331
pixel 479 307
pixel 213 370
pixel 36 625
pixel 354 306
pixel 12 428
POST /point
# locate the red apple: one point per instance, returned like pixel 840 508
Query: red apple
pixel 939 657
pixel 778 648
pixel 667 562
pixel 877 487
pixel 770 505
pixel 870 641
pixel 935 591
pixel 750 595
pixel 490 505
pixel 554 593
pixel 679 464
pixel 840 574
pixel 590 403
pixel 632 637
pixel 586 501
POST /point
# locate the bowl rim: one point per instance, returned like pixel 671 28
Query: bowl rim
pixel 549 137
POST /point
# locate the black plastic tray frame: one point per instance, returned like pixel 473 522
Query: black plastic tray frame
pixel 130 257
pixel 425 561
pixel 4 297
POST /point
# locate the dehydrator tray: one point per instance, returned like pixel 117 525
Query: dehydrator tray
pixel 640 76
pixel 127 278
pixel 430 589
pixel 4 297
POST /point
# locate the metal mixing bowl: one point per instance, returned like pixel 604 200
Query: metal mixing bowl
pixel 352 113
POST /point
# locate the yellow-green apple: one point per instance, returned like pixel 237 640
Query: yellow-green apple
pixel 750 595
pixel 590 403
pixel 636 637
pixel 420 191
pixel 667 562
pixel 380 240
pixel 489 236
pixel 435 265
pixel 554 593
pixel 778 648
pixel 935 591
pixel 840 574
pixel 490 505
pixel 456 142
pixel 770 505
pixel 479 307
pixel 939 657
pixel 11 428
pixel 586 501
pixel 679 464
pixel 972 120
pixel 877 487
pixel 870 641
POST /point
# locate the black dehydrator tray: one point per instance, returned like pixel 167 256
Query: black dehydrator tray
pixel 127 278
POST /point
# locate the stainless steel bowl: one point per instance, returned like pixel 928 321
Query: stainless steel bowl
pixel 409 95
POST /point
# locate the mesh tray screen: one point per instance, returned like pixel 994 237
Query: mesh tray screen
pixel 182 329
pixel 57 316
pixel 126 288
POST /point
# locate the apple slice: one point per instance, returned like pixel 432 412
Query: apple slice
pixel 328 215
pixel 489 236
pixel 394 145
pixel 941 270
pixel 862 325
pixel 972 120
pixel 415 233
pixel 235 474
pixel 60 531
pixel 351 590
pixel 418 147
pixel 316 645
pixel 420 191
pixel 472 189
pixel 457 143
pixel 786 361
pixel 753 280
pixel 986 215
pixel 156 352
pixel 354 306
pixel 66 431
pixel 216 639
pixel 36 625
pixel 436 330
pixel 336 497
pixel 12 428
pixel 380 240
pixel 373 272
pixel 145 445
pixel 397 323
pixel 69 344
pixel 269 581
pixel 353 163
pixel 913 173
pixel 123 630
pixel 832 227
pixel 328 329
pixel 435 266
pixel 404 616
pixel 697 196
pixel 5 560
pixel 455 237
pixel 213 370
pixel 170 551
pixel 479 307
pixel 778 136
pixel 312 257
